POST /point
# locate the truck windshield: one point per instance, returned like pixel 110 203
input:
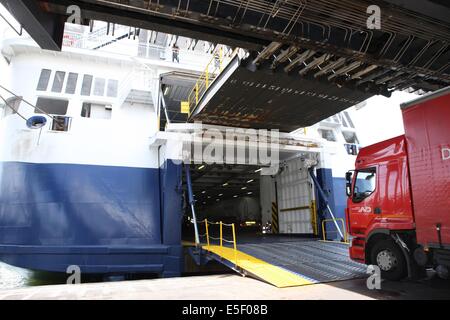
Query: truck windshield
pixel 365 184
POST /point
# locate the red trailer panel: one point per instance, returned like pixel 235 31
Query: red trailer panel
pixel 427 131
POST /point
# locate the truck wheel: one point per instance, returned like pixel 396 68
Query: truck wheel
pixel 389 258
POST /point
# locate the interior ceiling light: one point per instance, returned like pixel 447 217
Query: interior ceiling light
pixel 250 181
pixel 244 188
pixel 225 184
pixel 201 167
pixel 258 170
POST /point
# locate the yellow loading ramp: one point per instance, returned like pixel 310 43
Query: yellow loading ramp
pixel 255 267
pixel 251 265
pixel 280 261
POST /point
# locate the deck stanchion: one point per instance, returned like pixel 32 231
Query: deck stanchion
pixel 196 93
pixel 235 244
pixel 221 59
pixel 207 232
pixel 221 233
pixel 324 232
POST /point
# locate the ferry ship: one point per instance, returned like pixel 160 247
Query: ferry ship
pixel 83 178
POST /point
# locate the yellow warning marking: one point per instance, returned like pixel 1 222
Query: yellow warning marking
pixel 272 274
pixel 185 107
pixel 274 217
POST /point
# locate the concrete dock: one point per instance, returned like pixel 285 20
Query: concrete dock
pixel 229 287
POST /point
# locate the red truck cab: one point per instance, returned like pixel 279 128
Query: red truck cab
pixel 398 208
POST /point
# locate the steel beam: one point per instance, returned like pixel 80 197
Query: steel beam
pixel 161 19
pixel 45 28
pixel 429 8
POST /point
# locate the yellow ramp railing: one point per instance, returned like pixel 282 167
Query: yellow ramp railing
pixel 325 232
pixel 221 237
pixel 272 274
pixel 212 69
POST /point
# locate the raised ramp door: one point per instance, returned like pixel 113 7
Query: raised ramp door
pixel 270 99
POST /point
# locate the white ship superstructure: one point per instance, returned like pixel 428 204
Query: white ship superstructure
pixel 91 187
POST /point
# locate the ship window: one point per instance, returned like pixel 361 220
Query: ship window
pixel 112 88
pixel 61 123
pixel 87 85
pixel 365 184
pixel 96 111
pixel 350 137
pixel 44 80
pixel 352 149
pixel 327 134
pixel 99 87
pixel 52 106
pixel 58 81
pixel 13 107
pixel 71 83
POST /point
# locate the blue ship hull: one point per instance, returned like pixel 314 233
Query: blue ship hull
pixel 103 219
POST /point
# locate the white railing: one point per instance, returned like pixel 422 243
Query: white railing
pixel 136 79
pixel 104 42
pixel 125 85
pixel 92 40
pixel 80 38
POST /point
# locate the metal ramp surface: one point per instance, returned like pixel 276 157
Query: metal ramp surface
pixel 288 263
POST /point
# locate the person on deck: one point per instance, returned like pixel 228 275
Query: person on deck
pixel 175 53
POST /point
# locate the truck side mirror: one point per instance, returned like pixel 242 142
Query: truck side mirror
pixel 348 186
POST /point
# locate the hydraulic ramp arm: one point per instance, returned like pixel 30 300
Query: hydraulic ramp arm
pixel 325 198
